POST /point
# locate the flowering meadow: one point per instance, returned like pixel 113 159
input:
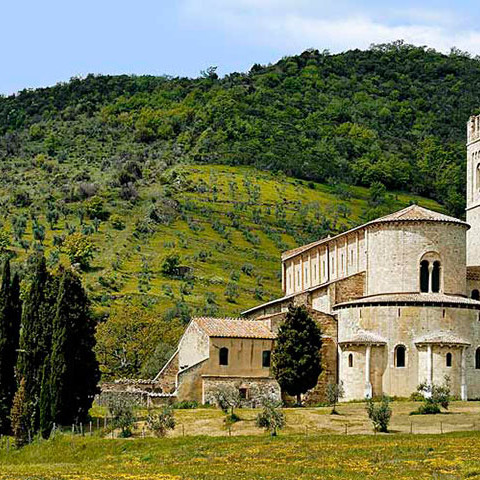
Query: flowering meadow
pixel 296 457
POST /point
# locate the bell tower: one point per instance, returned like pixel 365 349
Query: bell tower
pixel 473 191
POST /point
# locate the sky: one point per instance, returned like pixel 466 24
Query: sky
pixel 43 42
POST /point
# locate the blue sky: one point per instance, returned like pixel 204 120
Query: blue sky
pixel 43 42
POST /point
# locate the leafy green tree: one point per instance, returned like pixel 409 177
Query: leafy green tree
pixel 20 416
pixel 160 423
pixel 334 392
pixel 379 413
pixel 79 249
pixel 271 418
pixel 296 356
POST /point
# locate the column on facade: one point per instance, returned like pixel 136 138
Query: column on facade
pixel 368 385
pixel 284 280
pixel 430 271
pixel 463 371
pixel 302 273
pixel 429 369
pixel 318 276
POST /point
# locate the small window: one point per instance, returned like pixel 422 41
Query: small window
pixel 436 277
pixel 400 356
pixel 449 359
pixel 266 358
pixel 424 276
pixel 243 393
pixel 477 359
pixel 223 356
pixel 475 294
pixel 350 360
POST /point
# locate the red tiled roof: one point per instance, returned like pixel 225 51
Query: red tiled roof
pixel 234 328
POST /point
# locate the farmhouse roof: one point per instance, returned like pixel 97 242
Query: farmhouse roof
pixel 234 328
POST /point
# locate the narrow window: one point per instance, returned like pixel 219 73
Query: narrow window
pixel 424 276
pixel 475 294
pixel 436 277
pixel 449 359
pixel 350 360
pixel 400 356
pixel 477 358
pixel 223 356
pixel 266 358
pixel 243 393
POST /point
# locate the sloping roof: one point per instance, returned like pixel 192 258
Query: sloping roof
pixel 415 213
pixel 412 213
pixel 413 298
pixel 363 337
pixel 441 337
pixel 234 328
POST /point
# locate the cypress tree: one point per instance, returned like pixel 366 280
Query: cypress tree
pixel 296 357
pixel 6 369
pixel 9 333
pixel 46 423
pixel 74 371
pixel 35 338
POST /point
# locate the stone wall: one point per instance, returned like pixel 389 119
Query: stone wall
pixel 255 388
pixel 395 251
pixel 166 380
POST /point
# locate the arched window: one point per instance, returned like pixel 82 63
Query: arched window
pixel 448 359
pixel 424 276
pixel 475 294
pixel 477 358
pixel 223 356
pixel 350 360
pixel 400 356
pixel 436 277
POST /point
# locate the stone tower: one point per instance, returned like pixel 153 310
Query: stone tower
pixel 473 191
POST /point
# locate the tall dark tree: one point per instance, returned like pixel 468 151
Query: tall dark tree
pixel 9 333
pixel 74 371
pixel 296 357
pixel 35 338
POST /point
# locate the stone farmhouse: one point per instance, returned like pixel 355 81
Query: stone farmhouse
pixel 397 300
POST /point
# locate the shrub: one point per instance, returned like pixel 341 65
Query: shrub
pixel 434 397
pixel 185 405
pixel 171 265
pixel 335 392
pixel 231 292
pixel 159 424
pixel 271 418
pixel 227 398
pixel 379 413
pixel 117 222
pixel 247 269
pixel 121 410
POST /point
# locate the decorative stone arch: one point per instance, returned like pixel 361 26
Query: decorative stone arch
pixel 430 279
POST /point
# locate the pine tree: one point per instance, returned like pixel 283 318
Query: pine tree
pixel 35 339
pixel 9 333
pixel 74 368
pixel 296 357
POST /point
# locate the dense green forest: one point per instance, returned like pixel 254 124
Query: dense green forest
pixel 176 196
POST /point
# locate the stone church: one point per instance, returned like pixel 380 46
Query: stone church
pixel 397 300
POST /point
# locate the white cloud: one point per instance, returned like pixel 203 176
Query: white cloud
pixel 294 25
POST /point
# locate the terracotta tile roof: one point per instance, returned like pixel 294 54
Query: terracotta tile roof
pixel 234 328
pixel 413 298
pixel 412 213
pixel 415 213
pixel 439 337
pixel 363 337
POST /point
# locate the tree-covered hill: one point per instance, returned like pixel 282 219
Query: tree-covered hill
pixel 176 196
pixel 394 113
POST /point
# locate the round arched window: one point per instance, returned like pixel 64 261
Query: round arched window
pixel 400 354
pixel 448 359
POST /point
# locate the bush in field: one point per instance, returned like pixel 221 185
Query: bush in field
pixel 121 410
pixel 271 418
pixel 334 392
pixel 160 423
pixel 379 413
pixel 227 398
pixel 434 397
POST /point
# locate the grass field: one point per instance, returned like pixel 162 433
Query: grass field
pixel 313 446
